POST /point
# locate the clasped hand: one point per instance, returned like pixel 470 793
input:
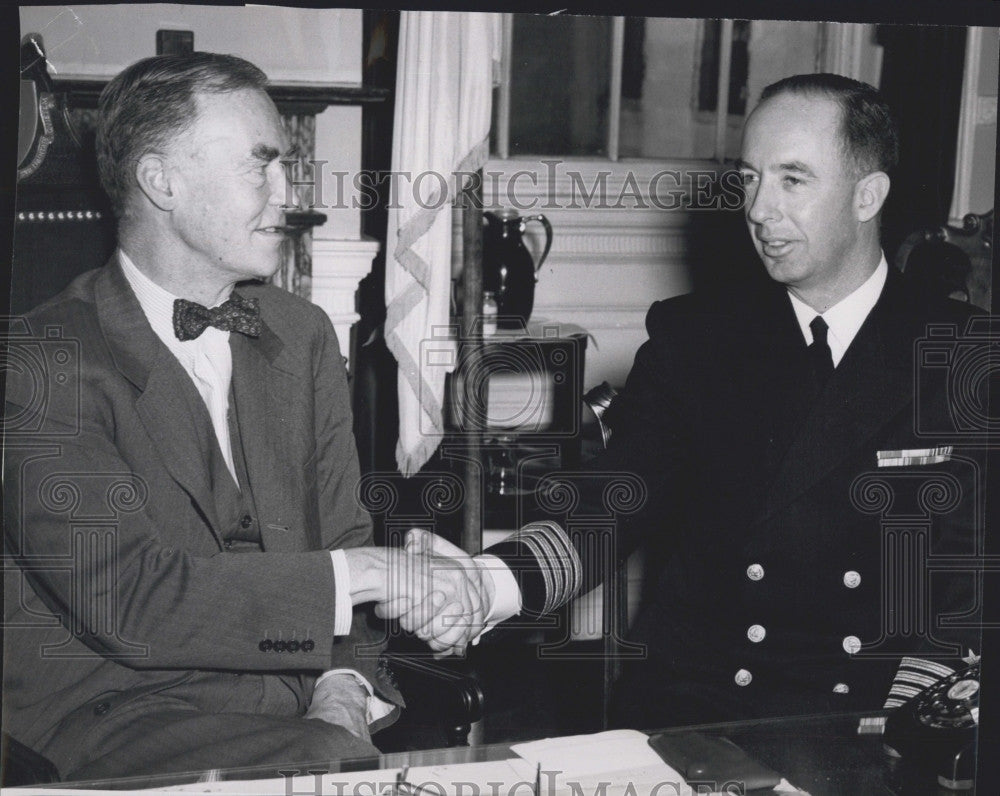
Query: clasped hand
pixel 437 592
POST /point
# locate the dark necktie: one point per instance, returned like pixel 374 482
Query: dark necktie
pixel 238 314
pixel 819 351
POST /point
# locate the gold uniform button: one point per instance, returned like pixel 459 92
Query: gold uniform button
pixel 851 644
pixel 852 579
pixel 743 678
pixel 755 572
pixel 756 633
pixel 841 688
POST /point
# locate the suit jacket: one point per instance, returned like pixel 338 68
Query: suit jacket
pixel 782 542
pixel 123 584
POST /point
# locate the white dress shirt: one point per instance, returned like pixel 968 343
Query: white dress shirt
pixel 844 318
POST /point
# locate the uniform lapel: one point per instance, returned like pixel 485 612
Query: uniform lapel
pixel 871 384
pixel 163 405
pixel 782 376
pixel 264 390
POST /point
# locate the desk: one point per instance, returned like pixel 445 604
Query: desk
pixel 823 755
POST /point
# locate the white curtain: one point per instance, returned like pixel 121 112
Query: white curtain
pixel 442 120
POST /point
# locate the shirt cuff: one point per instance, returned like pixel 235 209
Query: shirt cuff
pixel 343 606
pixel 376 708
pixel 506 594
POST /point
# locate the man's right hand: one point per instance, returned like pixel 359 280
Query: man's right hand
pixel 433 588
pixel 453 639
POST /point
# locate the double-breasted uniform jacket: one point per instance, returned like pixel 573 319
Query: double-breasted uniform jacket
pixel 134 564
pixel 796 570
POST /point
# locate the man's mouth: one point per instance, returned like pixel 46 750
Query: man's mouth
pixel 277 230
pixel 775 247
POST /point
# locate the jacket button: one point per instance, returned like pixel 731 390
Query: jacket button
pixel 743 678
pixel 101 708
pixel 246 521
pixel 266 645
pixel 851 645
pixel 293 646
pixel 852 579
pixel 228 544
pixel 756 633
pixel 280 646
pixel 308 645
pixel 755 572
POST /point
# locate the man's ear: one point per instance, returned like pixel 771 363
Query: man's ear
pixel 154 181
pixel 869 195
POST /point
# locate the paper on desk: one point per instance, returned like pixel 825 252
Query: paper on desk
pixel 613 762
pixel 579 755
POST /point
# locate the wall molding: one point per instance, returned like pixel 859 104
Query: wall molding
pixel 337 268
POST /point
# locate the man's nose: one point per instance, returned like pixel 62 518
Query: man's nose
pixel 762 205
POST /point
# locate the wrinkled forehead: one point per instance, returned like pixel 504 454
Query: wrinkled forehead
pixel 242 121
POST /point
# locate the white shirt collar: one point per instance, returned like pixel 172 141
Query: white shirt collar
pixel 844 318
pixel 158 306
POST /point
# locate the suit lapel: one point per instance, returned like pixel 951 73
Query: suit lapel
pixel 164 403
pixel 263 390
pixel 871 384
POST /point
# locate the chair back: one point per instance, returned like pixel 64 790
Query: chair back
pixel 952 261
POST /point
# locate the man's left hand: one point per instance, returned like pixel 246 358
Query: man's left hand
pixel 341 699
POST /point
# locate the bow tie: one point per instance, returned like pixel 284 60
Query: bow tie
pixel 238 314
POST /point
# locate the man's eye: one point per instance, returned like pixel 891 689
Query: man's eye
pixel 748 179
pixel 790 180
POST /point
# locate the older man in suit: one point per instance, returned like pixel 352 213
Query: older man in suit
pixel 789 451
pixel 180 480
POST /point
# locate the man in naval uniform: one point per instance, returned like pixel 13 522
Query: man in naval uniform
pixel 787 449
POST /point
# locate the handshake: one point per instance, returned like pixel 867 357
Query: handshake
pixel 436 590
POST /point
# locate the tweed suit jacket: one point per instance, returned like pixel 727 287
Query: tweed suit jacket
pixel 119 583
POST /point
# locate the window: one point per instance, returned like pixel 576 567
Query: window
pixel 708 76
pixel 599 87
pixel 560 85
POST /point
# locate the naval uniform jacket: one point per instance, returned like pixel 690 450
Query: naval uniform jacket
pixel 135 566
pixel 784 543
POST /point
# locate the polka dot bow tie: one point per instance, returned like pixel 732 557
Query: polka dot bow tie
pixel 238 314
